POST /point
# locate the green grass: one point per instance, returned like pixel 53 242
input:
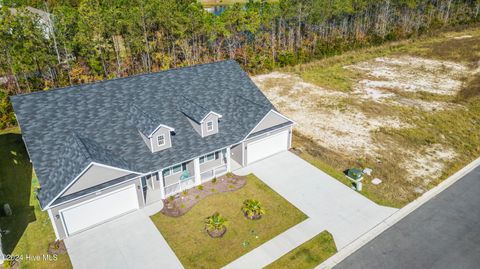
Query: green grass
pixel 30 228
pixel 308 255
pixel 195 249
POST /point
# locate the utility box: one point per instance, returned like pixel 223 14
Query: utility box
pixel 356 176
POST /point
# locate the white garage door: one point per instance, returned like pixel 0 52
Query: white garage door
pixel 267 146
pixel 100 209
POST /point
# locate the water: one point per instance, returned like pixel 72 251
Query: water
pixel 216 10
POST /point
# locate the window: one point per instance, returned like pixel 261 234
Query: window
pixel 209 126
pixel 209 157
pixel 176 169
pixel 161 140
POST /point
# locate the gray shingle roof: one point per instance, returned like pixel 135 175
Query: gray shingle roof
pixel 60 125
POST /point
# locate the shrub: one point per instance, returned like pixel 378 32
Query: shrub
pixel 197 197
pixel 185 193
pixel 214 180
pixel 213 190
pixel 229 175
pixel 7 264
pixel 215 222
pixel 171 198
pixel 200 187
pixel 252 208
pixel 182 206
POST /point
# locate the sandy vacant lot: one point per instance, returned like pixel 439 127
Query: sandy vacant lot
pixel 337 120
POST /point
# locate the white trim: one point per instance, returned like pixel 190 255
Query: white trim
pixel 69 185
pixel 272 132
pixel 67 234
pixel 159 126
pixel 93 193
pixel 81 174
pixel 208 114
pixel 52 220
pixel 283 116
pixel 271 110
pixel 116 168
pixel 164 140
pixel 243 152
pixel 206 126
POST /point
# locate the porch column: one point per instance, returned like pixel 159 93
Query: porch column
pixel 161 183
pixel 227 152
pixel 196 170
pixel 2 258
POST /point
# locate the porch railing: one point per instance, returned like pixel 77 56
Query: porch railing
pixel 214 172
pixel 179 186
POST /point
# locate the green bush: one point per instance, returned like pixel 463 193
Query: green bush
pixel 252 208
pixel 215 222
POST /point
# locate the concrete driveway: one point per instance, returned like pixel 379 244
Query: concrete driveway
pixel 131 241
pixel 330 204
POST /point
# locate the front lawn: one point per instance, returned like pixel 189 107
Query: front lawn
pixel 308 255
pixel 30 230
pixel 195 249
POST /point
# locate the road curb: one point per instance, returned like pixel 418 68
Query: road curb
pixel 396 217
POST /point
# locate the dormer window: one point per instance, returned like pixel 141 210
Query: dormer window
pixel 161 140
pixel 209 126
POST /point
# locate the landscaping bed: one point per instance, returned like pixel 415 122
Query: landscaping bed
pixel 188 237
pixel 181 203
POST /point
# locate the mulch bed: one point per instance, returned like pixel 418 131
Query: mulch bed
pixel 181 203
pixel 57 247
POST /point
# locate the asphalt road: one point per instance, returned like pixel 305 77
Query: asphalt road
pixel 443 233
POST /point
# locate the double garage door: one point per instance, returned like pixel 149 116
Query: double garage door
pixel 100 209
pixel 265 147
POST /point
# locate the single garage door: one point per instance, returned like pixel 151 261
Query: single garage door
pixel 267 146
pixel 100 209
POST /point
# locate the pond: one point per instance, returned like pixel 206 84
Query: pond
pixel 216 10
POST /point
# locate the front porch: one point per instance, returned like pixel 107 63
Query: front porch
pixel 180 177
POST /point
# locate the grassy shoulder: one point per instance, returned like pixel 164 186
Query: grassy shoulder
pixel 30 229
pixel 308 255
pixel 195 249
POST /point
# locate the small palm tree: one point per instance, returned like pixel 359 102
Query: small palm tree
pixel 253 209
pixel 216 225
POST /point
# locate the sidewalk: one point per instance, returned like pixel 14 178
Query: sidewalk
pixel 329 204
pixel 396 217
pixel 278 246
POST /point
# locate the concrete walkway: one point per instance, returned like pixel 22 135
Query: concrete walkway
pixel 329 204
pixel 131 241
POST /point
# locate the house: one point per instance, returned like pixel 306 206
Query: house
pixel 44 18
pixel 104 149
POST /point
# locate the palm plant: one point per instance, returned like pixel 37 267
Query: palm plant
pixel 253 209
pixel 216 225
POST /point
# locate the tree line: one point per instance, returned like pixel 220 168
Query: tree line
pixel 88 40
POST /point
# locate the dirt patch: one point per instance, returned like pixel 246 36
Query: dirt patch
pixel 428 163
pixel 176 206
pixel 324 115
pixel 387 76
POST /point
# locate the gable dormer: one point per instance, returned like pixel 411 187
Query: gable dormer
pixel 157 136
pixel 205 122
